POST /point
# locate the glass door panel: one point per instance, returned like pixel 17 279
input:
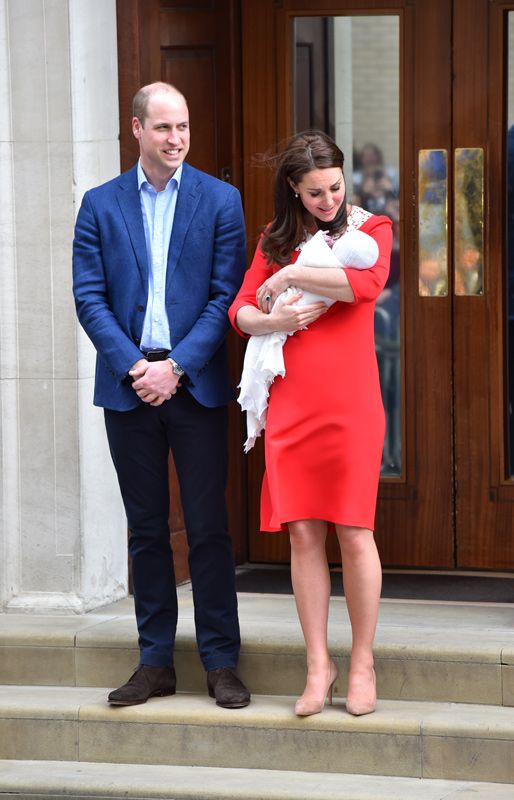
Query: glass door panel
pixel 332 56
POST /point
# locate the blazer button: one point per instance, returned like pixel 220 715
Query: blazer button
pixel 140 308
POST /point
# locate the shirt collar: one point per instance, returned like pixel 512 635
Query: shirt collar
pixel 142 179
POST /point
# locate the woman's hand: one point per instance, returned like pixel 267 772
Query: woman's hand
pixel 271 288
pixel 285 317
pixel 291 318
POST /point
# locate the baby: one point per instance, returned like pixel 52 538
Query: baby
pixel 263 357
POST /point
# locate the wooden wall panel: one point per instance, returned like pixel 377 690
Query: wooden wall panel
pixel 194 70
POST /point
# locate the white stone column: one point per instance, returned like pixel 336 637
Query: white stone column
pixel 62 526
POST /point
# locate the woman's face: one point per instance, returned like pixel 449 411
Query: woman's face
pixel 322 191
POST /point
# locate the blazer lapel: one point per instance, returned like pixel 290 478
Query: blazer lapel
pixel 130 207
pixel 187 202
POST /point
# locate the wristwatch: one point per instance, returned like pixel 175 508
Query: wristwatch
pixel 177 369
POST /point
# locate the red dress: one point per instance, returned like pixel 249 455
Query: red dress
pixel 325 423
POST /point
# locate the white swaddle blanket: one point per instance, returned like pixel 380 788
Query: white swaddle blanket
pixel 264 358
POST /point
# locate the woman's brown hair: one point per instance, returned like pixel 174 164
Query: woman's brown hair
pixel 303 152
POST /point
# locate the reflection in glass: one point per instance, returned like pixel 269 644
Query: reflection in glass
pixel 333 56
pixel 509 225
pixel 469 220
pixel 433 223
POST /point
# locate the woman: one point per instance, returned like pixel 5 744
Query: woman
pixel 325 422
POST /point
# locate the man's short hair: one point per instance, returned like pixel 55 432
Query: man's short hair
pixel 142 98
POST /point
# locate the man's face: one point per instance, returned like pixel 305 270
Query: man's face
pixel 164 137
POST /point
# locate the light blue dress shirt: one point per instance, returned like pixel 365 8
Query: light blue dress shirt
pixel 158 209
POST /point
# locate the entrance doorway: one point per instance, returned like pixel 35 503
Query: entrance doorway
pixel 428 87
pixel 420 96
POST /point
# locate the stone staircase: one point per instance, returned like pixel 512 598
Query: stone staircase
pixel 444 727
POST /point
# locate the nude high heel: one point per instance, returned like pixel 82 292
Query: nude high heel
pixel 359 708
pixel 306 707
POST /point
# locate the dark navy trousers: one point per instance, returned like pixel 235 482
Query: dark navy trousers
pixel 140 441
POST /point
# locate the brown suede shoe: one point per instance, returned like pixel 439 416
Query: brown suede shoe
pixel 227 689
pixel 144 683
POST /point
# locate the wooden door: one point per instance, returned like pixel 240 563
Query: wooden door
pixel 483 113
pixel 447 500
pixel 196 47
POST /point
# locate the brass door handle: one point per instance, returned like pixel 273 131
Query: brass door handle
pixel 433 223
pixel 468 262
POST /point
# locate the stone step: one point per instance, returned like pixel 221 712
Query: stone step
pixel 401 739
pixel 424 651
pixel 47 780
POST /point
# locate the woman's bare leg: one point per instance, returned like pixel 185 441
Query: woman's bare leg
pixel 311 586
pixel 362 577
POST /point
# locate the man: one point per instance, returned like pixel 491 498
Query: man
pixel 158 256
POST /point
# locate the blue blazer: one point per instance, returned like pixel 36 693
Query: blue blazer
pixel 206 263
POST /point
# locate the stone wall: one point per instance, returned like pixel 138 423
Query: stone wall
pixel 62 528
